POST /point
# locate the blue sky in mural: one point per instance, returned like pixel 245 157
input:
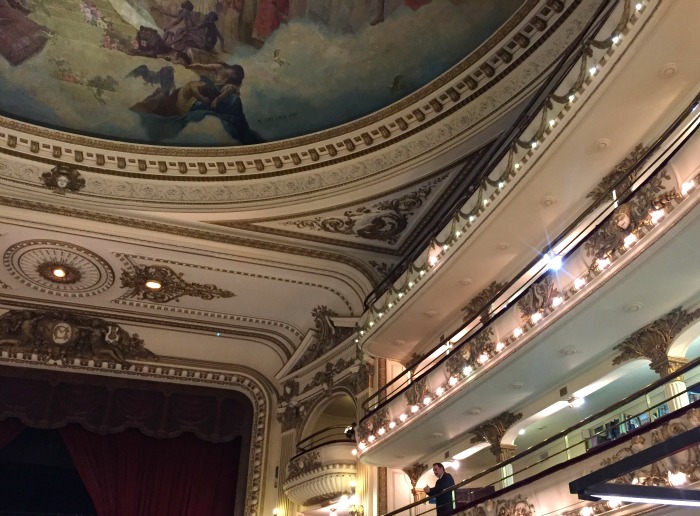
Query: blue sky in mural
pixel 154 71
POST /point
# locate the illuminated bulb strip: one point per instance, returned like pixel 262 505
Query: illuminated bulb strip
pixel 534 144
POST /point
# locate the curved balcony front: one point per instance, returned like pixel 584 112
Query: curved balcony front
pixel 321 474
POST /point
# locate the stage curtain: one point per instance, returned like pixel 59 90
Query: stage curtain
pixel 130 474
pixel 9 429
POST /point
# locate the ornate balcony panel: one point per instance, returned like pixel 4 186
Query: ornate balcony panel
pixel 322 474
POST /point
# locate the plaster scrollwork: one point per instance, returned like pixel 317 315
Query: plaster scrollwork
pixel 414 472
pixel 657 473
pixel 517 506
pixel 493 430
pixel 367 427
pixel 630 217
pixel 654 340
pixel 538 297
pixel 328 336
pixel 620 170
pixel 465 356
pixel 64 336
pixel 385 220
pixel 479 304
pixel 171 285
pixel 304 464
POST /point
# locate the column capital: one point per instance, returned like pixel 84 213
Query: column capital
pixel 493 430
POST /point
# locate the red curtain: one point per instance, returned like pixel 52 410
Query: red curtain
pixel 9 429
pixel 129 474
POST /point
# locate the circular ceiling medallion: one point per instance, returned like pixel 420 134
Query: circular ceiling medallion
pixel 58 268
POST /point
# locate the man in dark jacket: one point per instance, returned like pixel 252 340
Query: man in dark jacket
pixel 444 502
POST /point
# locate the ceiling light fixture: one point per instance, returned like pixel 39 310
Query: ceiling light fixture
pixel 59 272
pixel 153 284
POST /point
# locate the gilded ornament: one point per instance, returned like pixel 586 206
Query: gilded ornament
pixel 654 340
pixel 65 336
pixel 62 179
pixel 480 304
pixel 538 297
pixel 493 430
pixel 172 286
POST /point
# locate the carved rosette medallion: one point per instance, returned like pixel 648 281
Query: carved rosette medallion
pixel 172 285
pixel 32 262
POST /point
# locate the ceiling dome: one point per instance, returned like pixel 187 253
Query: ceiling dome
pixel 206 73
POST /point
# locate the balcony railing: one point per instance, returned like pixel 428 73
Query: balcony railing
pixel 323 468
pixel 574 443
pixel 466 343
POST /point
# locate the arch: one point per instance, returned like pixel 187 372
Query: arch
pixel 687 339
pixel 339 408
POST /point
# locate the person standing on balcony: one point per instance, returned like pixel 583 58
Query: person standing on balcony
pixel 444 502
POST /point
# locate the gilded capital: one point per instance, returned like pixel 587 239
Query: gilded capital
pixel 493 430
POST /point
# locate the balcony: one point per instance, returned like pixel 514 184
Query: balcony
pixel 624 452
pixel 323 470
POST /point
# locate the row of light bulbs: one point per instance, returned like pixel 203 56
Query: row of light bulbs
pixel 437 249
pixel 555 263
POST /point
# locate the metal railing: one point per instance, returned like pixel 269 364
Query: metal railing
pixel 528 466
pixel 584 225
pixel 325 436
pixel 505 143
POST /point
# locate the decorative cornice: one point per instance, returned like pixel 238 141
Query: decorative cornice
pixel 374 151
pixel 654 340
pixel 200 234
pixel 427 104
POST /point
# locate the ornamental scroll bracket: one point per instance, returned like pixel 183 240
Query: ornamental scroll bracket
pixel 493 430
pixel 654 340
pixel 172 285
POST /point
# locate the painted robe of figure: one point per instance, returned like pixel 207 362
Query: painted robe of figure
pixel 20 37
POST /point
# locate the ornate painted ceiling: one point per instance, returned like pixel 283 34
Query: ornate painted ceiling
pixel 229 72
pixel 249 240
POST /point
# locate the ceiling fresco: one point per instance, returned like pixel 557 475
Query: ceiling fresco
pixel 226 72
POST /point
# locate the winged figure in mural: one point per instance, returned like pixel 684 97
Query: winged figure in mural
pixel 216 93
